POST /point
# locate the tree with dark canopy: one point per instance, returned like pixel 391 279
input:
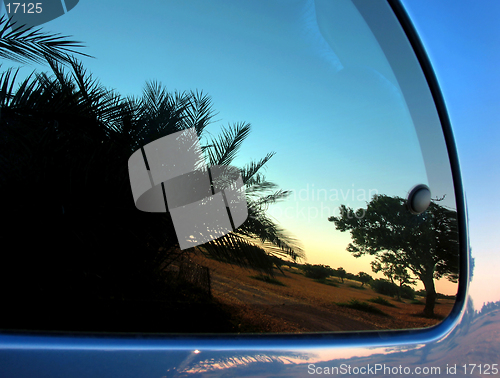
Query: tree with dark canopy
pixel 426 244
pixel 341 273
pixel 317 271
pixel 364 278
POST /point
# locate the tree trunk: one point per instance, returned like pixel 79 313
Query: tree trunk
pixel 430 297
pixel 398 290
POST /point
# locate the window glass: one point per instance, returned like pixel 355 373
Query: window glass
pixel 232 167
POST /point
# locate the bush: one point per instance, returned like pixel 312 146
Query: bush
pixel 317 272
pixel 407 292
pixel 386 287
pixel 382 301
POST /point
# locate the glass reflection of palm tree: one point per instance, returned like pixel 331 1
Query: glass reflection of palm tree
pixel 73 229
pixel 160 113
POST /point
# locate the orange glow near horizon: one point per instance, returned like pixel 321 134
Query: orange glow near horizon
pixel 337 256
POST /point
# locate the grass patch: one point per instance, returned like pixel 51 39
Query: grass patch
pixel 362 306
pixel 382 301
pixel 357 287
pixel 268 279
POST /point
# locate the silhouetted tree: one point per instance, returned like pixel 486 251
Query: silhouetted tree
pixel 341 273
pixel 364 278
pixel 425 244
pixel 317 271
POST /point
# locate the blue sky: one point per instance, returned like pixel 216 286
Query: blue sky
pixel 462 40
pixel 326 143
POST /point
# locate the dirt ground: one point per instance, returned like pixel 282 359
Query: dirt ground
pixel 303 305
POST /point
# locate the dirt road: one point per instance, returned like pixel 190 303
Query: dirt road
pixel 295 303
pixel 303 315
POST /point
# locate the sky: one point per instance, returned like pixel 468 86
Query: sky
pixel 462 39
pixel 332 114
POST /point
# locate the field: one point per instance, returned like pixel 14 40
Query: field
pixel 294 303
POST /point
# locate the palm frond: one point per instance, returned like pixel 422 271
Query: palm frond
pixel 23 45
pixel 7 85
pixel 263 202
pixel 223 150
pixel 245 248
pixel 25 96
pixel 250 170
pixel 159 113
pixel 105 104
pixel 199 113
pixel 238 250
pixel 257 240
pixel 260 187
pixel 259 226
pixel 292 250
pixel 155 97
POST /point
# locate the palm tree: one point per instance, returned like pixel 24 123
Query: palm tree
pixel 21 44
pixel 131 123
pixel 73 230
